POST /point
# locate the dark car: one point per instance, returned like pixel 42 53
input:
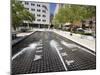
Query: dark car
pixel 24 29
pixel 80 30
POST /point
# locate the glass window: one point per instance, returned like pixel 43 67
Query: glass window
pixel 43 15
pixel 32 4
pixel 26 3
pixel 38 5
pixel 45 7
pixel 20 1
pixel 34 14
pixel 38 19
pixel 38 15
pixel 33 9
pixel 38 10
pixel 44 11
pixel 27 8
pixel 44 20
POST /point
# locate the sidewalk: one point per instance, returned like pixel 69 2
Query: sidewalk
pixel 85 41
pixel 21 36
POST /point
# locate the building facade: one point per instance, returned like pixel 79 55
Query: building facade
pixel 41 12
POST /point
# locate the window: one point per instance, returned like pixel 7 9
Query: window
pixel 32 4
pixel 38 10
pixel 33 9
pixel 38 15
pixel 45 7
pixel 38 5
pixel 44 20
pixel 43 15
pixel 38 19
pixel 27 8
pixel 34 14
pixel 20 1
pixel 44 11
pixel 26 3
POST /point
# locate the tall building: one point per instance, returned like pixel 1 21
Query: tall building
pixel 41 12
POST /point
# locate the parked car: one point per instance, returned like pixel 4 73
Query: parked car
pixel 88 31
pixel 24 29
pixel 80 30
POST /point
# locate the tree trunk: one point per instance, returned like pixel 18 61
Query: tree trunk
pixel 14 27
pixel 28 25
pixel 71 29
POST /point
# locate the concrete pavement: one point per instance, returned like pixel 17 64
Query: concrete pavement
pixel 46 51
pixel 85 41
pixel 21 36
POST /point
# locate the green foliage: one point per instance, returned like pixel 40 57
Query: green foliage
pixel 71 13
pixel 27 16
pixel 20 14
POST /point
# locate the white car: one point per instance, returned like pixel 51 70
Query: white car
pixel 88 31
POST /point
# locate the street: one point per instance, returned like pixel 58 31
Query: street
pixel 46 51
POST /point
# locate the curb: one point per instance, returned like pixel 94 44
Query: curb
pixel 22 39
pixel 78 44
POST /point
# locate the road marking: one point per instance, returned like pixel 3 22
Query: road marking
pixel 39 51
pixel 39 47
pixel 40 44
pixel 73 46
pixel 68 44
pixel 64 54
pixel 74 49
pixel 60 48
pixel 19 53
pixel 37 57
pixel 32 46
pixel 69 62
pixel 54 44
pixel 40 41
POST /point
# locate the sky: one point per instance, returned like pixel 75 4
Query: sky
pixel 52 8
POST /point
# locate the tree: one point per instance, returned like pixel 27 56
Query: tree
pixel 72 13
pixel 28 17
pixel 20 14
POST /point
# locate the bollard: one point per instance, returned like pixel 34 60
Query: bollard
pixel 70 34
